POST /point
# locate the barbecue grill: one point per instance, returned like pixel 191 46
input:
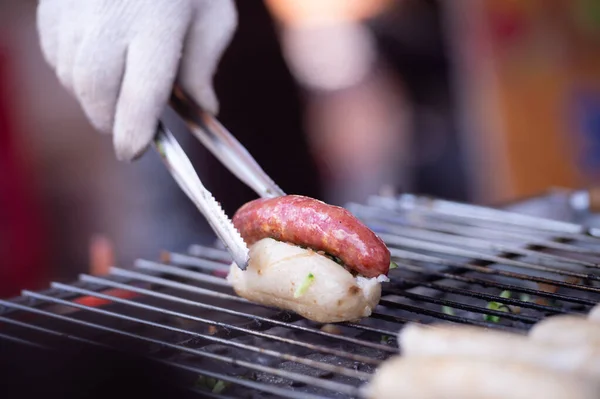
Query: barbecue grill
pixel 496 268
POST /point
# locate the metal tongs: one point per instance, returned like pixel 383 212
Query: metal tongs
pixel 229 151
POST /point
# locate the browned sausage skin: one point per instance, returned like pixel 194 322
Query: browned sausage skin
pixel 314 224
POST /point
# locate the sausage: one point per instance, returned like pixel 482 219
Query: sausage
pixel 566 330
pixel 461 377
pixel 276 270
pixel 312 223
pixel 417 341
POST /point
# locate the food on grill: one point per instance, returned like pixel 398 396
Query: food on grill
pixel 461 377
pixel 309 257
pixel 566 330
pixel 449 340
pixel 594 314
pixel 286 276
pixel 314 224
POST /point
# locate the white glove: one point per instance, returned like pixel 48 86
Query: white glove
pixel 120 58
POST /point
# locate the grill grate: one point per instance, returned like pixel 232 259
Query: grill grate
pixel 456 263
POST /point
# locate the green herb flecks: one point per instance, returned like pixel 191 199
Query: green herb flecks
pixel 393 265
pixel 301 290
pixel 212 384
pixel 220 386
pixel 497 306
pixel 448 310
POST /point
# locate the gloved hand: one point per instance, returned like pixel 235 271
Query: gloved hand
pixel 120 58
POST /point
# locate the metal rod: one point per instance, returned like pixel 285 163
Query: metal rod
pixel 510 287
pixel 453 250
pixel 462 306
pixel 22 341
pixel 47 331
pixel 471 293
pixel 409 202
pixel 369 328
pixel 178 271
pixel 477 243
pixel 187 288
pixel 329 385
pixel 485 270
pixel 247 383
pixel 499 225
pixel 378 218
pixel 318 348
pixel 204 264
pixel 201 251
pixel 285 393
pixel 272 353
pixel 438 315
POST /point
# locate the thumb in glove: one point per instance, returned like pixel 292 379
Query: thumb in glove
pixel 120 59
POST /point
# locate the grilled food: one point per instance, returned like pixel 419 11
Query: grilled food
pixel 288 277
pixel 314 224
pixel 309 257
pixel 463 377
pixel 448 340
pixel 566 330
pixel 594 314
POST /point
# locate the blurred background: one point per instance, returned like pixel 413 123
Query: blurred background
pixel 484 101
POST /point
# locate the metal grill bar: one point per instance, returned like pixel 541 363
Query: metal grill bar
pixel 473 294
pixel 201 263
pixel 448 250
pixel 200 251
pixel 329 385
pixel 397 208
pixel 46 331
pixel 188 261
pixel 22 341
pixel 155 294
pixel 370 329
pixel 191 288
pixel 500 286
pixel 177 271
pixel 481 232
pixel 477 243
pixel 322 366
pixel 400 254
pixel 224 377
pixel 443 316
pixel 455 209
pixel 285 393
pixel 458 305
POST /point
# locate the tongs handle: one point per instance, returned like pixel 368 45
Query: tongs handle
pixel 223 145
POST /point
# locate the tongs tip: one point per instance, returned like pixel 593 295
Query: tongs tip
pixel 243 265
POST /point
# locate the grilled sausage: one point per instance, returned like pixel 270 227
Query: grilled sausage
pixel 311 223
pixel 459 377
pixel 278 275
pixel 566 330
pixel 450 340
